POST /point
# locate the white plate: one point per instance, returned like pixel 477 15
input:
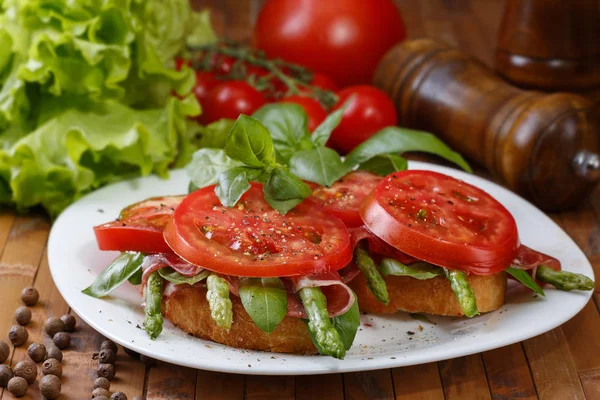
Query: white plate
pixel 382 342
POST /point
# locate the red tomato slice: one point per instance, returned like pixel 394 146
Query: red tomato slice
pixel 254 240
pixel 442 220
pixel 344 197
pixel 139 227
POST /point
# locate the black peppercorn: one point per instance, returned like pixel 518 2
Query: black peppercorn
pixel 26 369
pixel 18 335
pixel 118 396
pixel 23 315
pixel 62 340
pixel 54 352
pixel 4 351
pixel 54 325
pixel 69 321
pixel 17 386
pixel 100 392
pixel 30 296
pixel 52 367
pixel 107 356
pixel 106 371
pixel 131 353
pixel 37 352
pixel 102 383
pixel 109 344
pixel 5 375
pixel 50 386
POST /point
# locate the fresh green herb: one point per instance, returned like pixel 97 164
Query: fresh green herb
pixel 265 301
pixel 564 280
pixel 207 165
pixel 153 323
pixel 321 165
pixel 321 134
pixel 324 335
pixel 250 143
pixel 347 324
pixel 463 292
pixel 418 270
pixel 367 267
pixel 526 279
pixel 283 191
pixel 234 183
pixel 175 277
pixel 217 294
pixel 384 164
pixel 214 135
pixel 136 278
pixel 121 269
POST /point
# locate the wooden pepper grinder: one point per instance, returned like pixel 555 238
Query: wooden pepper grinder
pixel 544 146
pixel 550 44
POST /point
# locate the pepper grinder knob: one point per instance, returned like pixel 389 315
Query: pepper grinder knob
pixel 587 165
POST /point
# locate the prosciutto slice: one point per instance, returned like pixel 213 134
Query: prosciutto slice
pixel 339 296
pixel 529 260
pixel 154 262
pixel 378 246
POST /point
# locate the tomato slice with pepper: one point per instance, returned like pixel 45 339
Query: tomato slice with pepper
pixel 139 227
pixel 254 240
pixel 442 220
pixel 344 197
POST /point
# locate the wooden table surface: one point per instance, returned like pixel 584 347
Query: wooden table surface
pixel 561 364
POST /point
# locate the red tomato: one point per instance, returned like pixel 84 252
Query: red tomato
pixel 369 112
pixel 344 197
pixel 180 62
pixel 314 110
pixel 205 82
pixel 323 81
pixel 254 240
pixel 344 39
pixel 139 227
pixel 442 220
pixel 229 100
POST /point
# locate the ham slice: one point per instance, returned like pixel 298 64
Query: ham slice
pixel 154 262
pixel 339 296
pixel 529 260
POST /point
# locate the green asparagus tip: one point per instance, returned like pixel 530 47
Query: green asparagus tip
pixel 564 280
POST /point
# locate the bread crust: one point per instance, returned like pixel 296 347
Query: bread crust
pixel 431 296
pixel 188 309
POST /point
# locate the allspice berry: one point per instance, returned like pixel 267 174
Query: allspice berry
pixel 69 321
pixel 106 371
pixel 109 344
pixel 30 296
pixel 54 325
pixel 17 386
pixel 18 335
pixel 5 375
pixel 52 367
pixel 4 351
pixel 62 340
pixel 27 370
pixel 37 352
pixel 50 386
pixel 107 356
pixel 118 396
pixel 23 315
pixel 54 352
pixel 100 392
pixel 102 383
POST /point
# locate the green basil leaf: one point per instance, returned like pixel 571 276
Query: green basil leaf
pixel 347 324
pixel 215 135
pixel 385 164
pixel 526 279
pixel 207 165
pixel 418 270
pixel 284 191
pixel 136 278
pixel 265 301
pixel 400 140
pixel 121 269
pixel 288 126
pixel 192 187
pixel 234 183
pixel 175 277
pixel 250 142
pixel 321 134
pixel 321 165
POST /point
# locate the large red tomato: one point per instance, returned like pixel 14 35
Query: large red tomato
pixel 344 39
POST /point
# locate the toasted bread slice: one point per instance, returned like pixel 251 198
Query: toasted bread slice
pixel 431 296
pixel 188 309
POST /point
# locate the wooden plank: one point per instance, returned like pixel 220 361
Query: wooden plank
pixel 323 387
pixel 508 374
pixel 590 380
pixel 219 386
pixel 167 382
pixel 413 17
pixel 131 373
pixel 269 387
pixel 464 377
pixel 418 382
pixel 239 19
pixel 369 385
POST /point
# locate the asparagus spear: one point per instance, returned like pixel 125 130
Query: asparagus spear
pixel 375 282
pixel 564 280
pixel 326 338
pixel 463 291
pixel 154 321
pixel 221 308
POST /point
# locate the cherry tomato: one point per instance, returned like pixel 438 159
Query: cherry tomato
pixel 370 111
pixel 254 240
pixel 442 220
pixel 229 100
pixel 205 82
pixel 180 62
pixel 139 227
pixel 344 39
pixel 314 110
pixel 323 81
